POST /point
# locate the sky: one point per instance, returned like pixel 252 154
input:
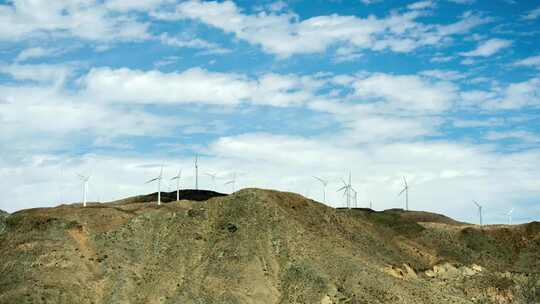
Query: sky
pixel 443 92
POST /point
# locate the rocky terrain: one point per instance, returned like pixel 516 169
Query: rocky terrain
pixel 260 246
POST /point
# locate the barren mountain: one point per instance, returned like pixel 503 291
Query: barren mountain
pixel 260 246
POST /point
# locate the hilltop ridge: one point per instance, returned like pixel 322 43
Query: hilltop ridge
pixel 260 246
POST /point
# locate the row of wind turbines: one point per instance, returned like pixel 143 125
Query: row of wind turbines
pixel 349 192
pixel 178 177
pixel 352 196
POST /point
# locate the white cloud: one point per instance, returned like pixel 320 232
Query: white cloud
pixel 438 59
pixel 488 48
pixel 533 61
pixel 523 136
pixel 444 75
pixel 86 19
pixel 522 94
pixel 420 5
pixel 36 52
pixel 533 14
pixel 525 94
pixel 197 86
pixel 368 2
pixel 194 43
pixel 477 98
pixel 43 73
pixel 284 34
pixel 124 6
pixel 406 93
pixel 462 1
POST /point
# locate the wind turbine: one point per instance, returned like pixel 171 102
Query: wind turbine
pixel 158 179
pixel 177 178
pixel 510 216
pixel 85 180
pixel 232 182
pixel 355 196
pixel 479 211
pixel 347 190
pixel 406 190
pixel 213 177
pixel 324 183
pixel 196 172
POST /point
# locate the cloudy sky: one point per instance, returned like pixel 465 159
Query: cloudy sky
pixel 443 92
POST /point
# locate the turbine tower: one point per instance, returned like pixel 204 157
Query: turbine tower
pixel 479 211
pixel 196 172
pixel 354 197
pixel 232 182
pixel 347 190
pixel 406 190
pixel 85 180
pixel 158 179
pixel 324 183
pixel 213 177
pixel 177 178
pixel 510 216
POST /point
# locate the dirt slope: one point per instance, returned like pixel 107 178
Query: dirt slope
pixel 260 246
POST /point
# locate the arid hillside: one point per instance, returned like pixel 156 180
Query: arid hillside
pixel 260 246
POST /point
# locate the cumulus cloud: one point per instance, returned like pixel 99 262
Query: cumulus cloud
pixel 197 85
pixel 408 93
pixel 284 34
pixel 488 48
pixel 83 19
pixel 512 96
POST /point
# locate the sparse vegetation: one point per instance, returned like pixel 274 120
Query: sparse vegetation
pixel 259 247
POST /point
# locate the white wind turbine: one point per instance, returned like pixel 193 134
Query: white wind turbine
pixel 479 211
pixel 347 190
pixel 232 182
pixel 406 190
pixel 355 197
pixel 213 177
pixel 177 178
pixel 510 216
pixel 196 171
pixel 85 180
pixel 324 183
pixel 158 179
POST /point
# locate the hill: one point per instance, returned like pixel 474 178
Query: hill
pixel 261 246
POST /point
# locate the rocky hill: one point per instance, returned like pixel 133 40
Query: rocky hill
pixel 261 246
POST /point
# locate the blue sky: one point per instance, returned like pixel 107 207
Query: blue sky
pixel 446 93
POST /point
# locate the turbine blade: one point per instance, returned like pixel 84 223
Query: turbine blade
pixel 402 191
pixel 405 181
pixel 342 188
pixel 153 179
